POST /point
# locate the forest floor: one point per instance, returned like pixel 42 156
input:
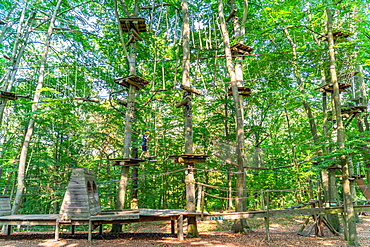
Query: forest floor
pixel 283 232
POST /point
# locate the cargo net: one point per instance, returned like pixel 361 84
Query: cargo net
pixel 254 156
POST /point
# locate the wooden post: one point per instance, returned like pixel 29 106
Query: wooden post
pixel 56 230
pixel 190 201
pixel 267 218
pixel 89 237
pixel 180 228
pixel 319 222
pixel 172 227
pixel 101 229
pixel 199 196
pixel 202 215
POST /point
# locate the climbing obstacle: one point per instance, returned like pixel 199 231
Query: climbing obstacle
pixel 81 199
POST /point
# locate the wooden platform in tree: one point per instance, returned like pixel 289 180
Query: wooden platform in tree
pixel 240 49
pixel 328 88
pixel 132 80
pixel 188 158
pixel 245 91
pixel 337 36
pixel 348 111
pixel 138 24
pixel 127 161
pixel 8 95
pixel 337 167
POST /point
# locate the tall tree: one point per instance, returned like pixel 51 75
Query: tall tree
pixel 241 195
pixel 349 213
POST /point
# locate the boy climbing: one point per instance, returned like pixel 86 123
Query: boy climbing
pixel 144 144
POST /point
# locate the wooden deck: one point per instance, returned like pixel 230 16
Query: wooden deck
pixel 174 215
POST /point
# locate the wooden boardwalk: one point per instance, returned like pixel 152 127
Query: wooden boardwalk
pixel 174 215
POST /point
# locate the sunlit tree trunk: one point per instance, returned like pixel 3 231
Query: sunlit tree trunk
pixel 349 212
pixel 188 121
pixel 240 187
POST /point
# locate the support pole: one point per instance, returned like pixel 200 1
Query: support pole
pixel 180 228
pixel 56 230
pixel 267 218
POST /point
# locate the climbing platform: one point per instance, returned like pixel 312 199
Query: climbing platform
pixel 328 88
pixel 349 112
pixel 353 110
pixel 240 49
pixel 127 161
pixel 244 91
pixel 337 36
pixel 134 80
pixel 188 158
pixel 137 24
pixel 8 95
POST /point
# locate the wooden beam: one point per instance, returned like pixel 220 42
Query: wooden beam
pixel 254 168
pixel 136 34
pixel 183 102
pixel 232 14
pixel 131 40
pixel 189 89
pixel 228 161
pixel 279 167
pixel 87 99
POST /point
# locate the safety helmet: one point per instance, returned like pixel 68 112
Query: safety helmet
pixel 147 132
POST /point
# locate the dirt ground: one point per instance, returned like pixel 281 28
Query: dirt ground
pixel 283 232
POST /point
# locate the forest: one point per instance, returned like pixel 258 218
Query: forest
pixel 276 93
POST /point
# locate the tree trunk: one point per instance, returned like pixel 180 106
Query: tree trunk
pixel 349 212
pixel 31 124
pixel 130 115
pixel 188 122
pixel 240 205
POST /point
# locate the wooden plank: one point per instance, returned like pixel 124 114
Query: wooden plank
pixel 115 217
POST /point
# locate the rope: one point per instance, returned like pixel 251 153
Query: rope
pixel 215 187
pixel 161 174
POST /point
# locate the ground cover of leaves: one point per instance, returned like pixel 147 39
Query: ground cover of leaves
pixel 283 232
